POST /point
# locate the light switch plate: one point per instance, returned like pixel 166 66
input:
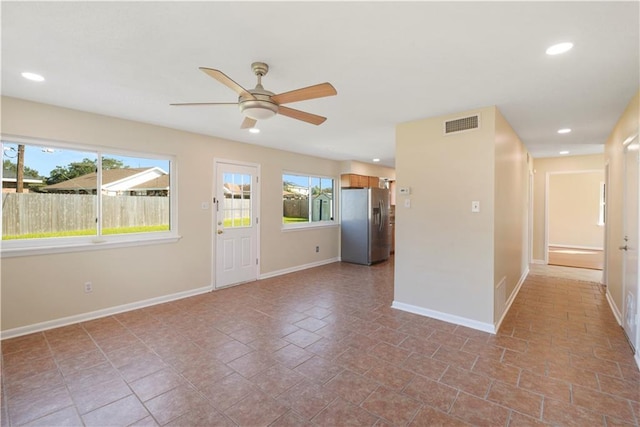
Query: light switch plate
pixel 407 203
pixel 475 206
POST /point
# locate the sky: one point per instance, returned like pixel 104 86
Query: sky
pixel 45 159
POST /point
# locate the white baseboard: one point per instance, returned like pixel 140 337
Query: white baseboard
pixel 614 309
pixel 297 268
pixel 589 248
pixel 538 261
pixel 463 321
pixel 84 317
pixel 512 298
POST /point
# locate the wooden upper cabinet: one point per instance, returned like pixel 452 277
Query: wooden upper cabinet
pixel 359 181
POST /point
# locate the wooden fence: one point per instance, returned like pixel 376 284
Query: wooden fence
pixel 28 213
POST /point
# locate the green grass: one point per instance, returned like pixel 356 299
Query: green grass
pixel 292 220
pixel 89 232
pixel 237 222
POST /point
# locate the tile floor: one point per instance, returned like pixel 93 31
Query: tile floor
pixel 323 347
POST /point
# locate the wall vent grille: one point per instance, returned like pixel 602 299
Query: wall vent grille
pixel 462 124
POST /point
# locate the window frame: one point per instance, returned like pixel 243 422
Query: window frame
pixel 311 224
pixel 43 246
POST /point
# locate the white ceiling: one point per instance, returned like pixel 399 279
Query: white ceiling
pixel 390 62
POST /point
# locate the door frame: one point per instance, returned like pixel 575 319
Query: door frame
pixel 633 340
pixel 547 191
pixel 213 217
pixel 607 189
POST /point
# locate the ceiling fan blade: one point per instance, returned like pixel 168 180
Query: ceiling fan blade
pixel 226 80
pixel 248 123
pixel 183 104
pixel 317 91
pixel 301 115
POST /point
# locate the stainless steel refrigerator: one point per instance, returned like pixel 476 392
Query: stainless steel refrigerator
pixel 365 231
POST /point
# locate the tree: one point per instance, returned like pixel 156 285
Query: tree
pixel 9 166
pixel 76 169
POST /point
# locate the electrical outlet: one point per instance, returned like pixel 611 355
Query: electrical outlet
pixel 317 248
pixel 88 287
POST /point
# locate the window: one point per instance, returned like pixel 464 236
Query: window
pixel 236 208
pixel 61 197
pixel 307 200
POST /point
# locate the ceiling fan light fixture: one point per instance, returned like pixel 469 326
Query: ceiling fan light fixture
pixel 260 108
pixel 259 113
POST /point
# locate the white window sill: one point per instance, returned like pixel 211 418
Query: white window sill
pixel 309 226
pixel 83 246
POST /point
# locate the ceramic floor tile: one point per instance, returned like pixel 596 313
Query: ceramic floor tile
pixel 307 399
pixel 256 409
pixel 342 413
pixel 175 403
pixel 120 413
pixel 324 347
pixel 391 406
pixel 67 417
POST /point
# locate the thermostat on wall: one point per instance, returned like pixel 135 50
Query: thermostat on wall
pixel 405 190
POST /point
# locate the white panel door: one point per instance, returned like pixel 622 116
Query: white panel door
pixel 236 224
pixel 630 242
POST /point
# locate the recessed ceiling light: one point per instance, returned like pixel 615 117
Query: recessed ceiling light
pixel 564 152
pixel 376 160
pixel 565 130
pixel 33 77
pixel 254 130
pixel 559 48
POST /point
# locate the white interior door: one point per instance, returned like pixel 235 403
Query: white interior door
pixel 236 224
pixel 630 243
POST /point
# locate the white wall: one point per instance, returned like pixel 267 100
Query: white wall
pixel 44 288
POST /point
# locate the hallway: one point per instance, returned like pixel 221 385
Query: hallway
pixel 323 347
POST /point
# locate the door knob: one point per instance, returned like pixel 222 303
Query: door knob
pixel 624 248
pixel 220 231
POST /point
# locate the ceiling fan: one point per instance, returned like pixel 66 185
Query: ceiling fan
pixel 260 104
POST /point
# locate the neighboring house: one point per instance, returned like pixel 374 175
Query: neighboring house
pixel 296 192
pixel 9 182
pixel 236 191
pixel 123 181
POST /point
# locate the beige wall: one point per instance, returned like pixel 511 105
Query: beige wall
pixel 511 212
pixel 542 167
pixel 44 288
pixel 573 212
pixel 627 126
pixel 448 259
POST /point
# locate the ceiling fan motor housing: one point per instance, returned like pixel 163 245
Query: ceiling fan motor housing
pixel 260 108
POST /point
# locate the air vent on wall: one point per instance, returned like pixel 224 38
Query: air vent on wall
pixel 462 124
